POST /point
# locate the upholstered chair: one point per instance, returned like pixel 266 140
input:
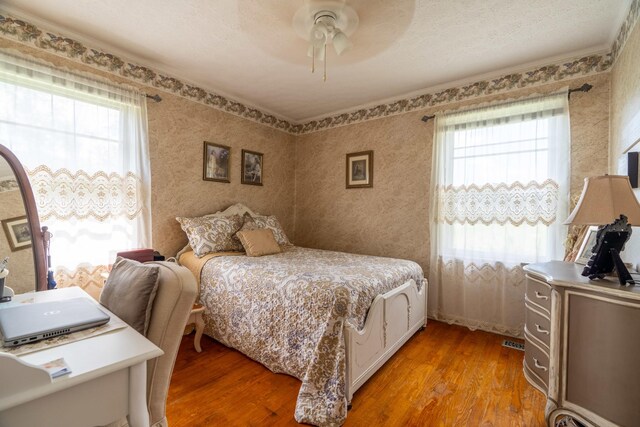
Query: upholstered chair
pixel 171 308
pixel 176 294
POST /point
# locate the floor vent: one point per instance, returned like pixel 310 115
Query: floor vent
pixel 513 344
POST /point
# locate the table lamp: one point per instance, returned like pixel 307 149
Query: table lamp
pixel 608 202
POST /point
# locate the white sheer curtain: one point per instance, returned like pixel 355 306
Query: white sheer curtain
pixel 500 188
pixel 84 145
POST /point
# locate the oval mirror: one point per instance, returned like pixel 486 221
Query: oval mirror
pixel 21 237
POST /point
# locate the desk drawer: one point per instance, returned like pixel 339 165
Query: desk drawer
pixel 537 361
pixel 537 324
pixel 539 293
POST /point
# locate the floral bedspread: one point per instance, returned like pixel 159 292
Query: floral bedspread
pixel 288 310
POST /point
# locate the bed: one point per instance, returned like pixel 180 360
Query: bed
pixel 330 319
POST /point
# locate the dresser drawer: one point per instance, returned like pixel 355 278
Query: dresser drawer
pixel 537 324
pixel 539 293
pixel 536 361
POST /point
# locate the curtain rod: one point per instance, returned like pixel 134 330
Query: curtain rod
pixel 584 88
pixel 155 97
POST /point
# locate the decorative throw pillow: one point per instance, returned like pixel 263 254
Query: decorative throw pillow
pixel 248 223
pixel 259 242
pixel 129 292
pixel 212 233
pixel 269 222
pixel 237 209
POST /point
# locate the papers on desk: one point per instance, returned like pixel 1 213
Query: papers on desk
pixel 56 368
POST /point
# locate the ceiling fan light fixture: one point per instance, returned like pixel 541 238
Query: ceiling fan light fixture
pixel 316 52
pixel 319 35
pixel 341 42
pixel 325 22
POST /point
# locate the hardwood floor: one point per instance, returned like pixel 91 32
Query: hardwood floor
pixel 444 376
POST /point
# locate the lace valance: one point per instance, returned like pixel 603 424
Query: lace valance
pixel 65 195
pixel 515 203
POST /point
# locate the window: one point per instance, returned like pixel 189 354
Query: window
pixel 84 146
pixel 500 194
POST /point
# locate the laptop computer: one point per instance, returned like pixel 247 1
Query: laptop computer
pixel 28 323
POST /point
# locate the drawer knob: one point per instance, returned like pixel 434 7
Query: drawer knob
pixel 541 330
pixel 540 296
pixel 538 365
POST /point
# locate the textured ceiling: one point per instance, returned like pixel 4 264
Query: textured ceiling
pixel 247 49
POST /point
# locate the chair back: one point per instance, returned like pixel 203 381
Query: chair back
pixel 171 309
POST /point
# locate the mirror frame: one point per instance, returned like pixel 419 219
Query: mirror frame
pixel 37 243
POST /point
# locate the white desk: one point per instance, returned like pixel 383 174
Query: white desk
pixel 108 379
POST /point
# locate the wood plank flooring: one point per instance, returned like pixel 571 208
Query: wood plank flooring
pixel 444 376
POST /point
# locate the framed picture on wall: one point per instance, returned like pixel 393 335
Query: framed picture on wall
pixel 360 169
pixel 584 253
pixel 18 233
pixel 252 167
pixel 216 162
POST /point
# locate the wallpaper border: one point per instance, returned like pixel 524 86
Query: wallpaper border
pixel 549 73
pixel 29 34
pixel 626 29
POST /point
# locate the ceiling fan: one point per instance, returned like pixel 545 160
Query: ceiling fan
pixel 323 23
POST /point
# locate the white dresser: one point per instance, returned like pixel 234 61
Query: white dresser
pixel 582 346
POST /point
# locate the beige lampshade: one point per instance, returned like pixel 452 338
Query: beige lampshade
pixel 603 200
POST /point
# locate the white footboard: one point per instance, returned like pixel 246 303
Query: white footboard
pixel 392 319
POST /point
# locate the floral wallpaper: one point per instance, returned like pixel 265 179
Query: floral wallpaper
pixel 625 30
pixel 25 32
pixel 625 116
pixel 391 219
pixel 625 94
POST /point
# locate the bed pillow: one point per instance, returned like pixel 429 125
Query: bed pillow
pixel 237 209
pixel 268 222
pixel 212 233
pixel 259 242
pixel 129 292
